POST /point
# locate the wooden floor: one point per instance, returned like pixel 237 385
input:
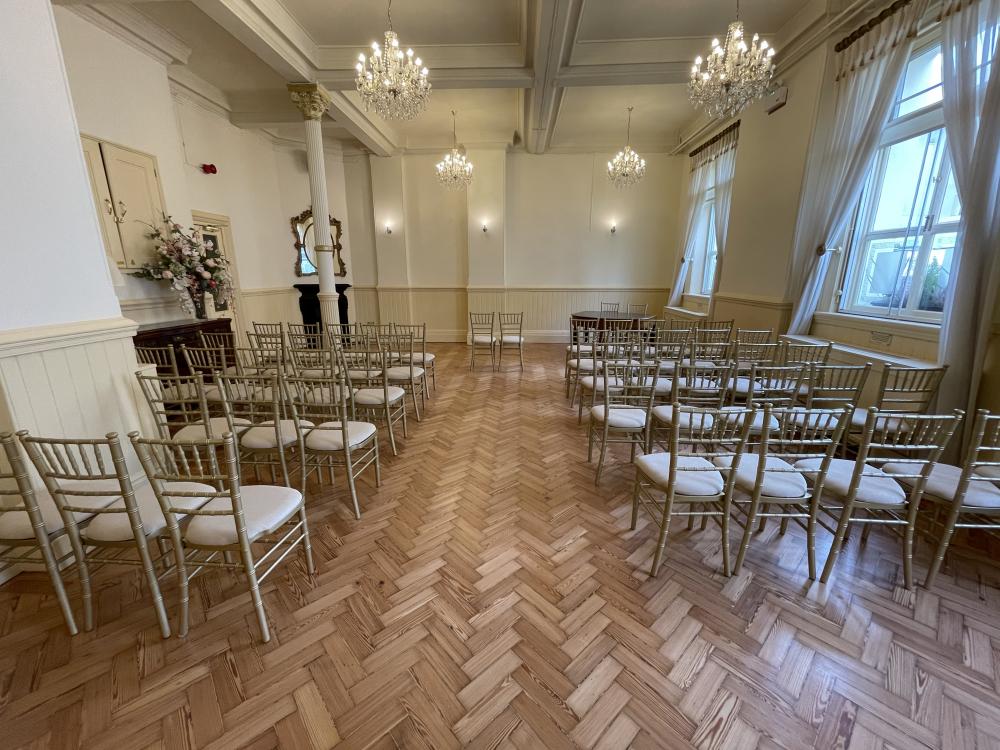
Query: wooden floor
pixel 491 596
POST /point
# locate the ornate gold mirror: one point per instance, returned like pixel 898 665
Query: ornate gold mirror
pixel 305 239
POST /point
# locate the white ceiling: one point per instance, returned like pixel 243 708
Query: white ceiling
pixel 557 73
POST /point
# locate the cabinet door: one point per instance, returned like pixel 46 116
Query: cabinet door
pixel 136 199
pixel 102 200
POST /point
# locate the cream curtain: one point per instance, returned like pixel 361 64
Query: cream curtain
pixel 701 181
pixel 725 169
pixel 868 72
pixel 972 122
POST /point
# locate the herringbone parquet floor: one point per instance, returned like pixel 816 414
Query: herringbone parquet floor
pixel 491 596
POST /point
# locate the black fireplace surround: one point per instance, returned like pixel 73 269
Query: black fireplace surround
pixel 309 303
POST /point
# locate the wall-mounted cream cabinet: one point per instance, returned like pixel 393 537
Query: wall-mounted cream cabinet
pixel 129 199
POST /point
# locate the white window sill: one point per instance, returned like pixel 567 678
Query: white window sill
pixel 911 329
pixel 849 354
pixel 682 312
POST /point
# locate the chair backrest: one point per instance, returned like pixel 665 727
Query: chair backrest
pixel 208 360
pixel 718 335
pixel 705 386
pixel 748 354
pixel 271 344
pixel 618 325
pixel 708 434
pixel 637 308
pixel 274 329
pixel 705 352
pixel 510 323
pixel 84 475
pixel 775 385
pixel 253 361
pixel 807 354
pixel 166 462
pixel 909 389
pixel 981 466
pixel 399 347
pixel 175 402
pixel 629 381
pixel 316 362
pixel 912 442
pixel 796 434
pixel 377 334
pixel 305 336
pixel 583 335
pixel 164 357
pixel 481 323
pixel 217 339
pixel 832 386
pixel 754 335
pixel 418 332
pixel 610 307
pixel 319 404
pixel 16 491
pixel 254 398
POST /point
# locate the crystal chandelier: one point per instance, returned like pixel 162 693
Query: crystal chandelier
pixel 394 84
pixel 734 75
pixel 455 170
pixel 627 168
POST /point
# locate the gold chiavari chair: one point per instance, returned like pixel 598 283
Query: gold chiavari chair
pixel 670 347
pixel 217 339
pixel 90 476
pixel 714 331
pixel 310 362
pixel 697 386
pixel 967 496
pixel 376 333
pixel 511 336
pixel 610 307
pixel 628 382
pixel 684 481
pixel 914 443
pixel 378 397
pixel 236 519
pixel 770 484
pixel 271 348
pixel 610 347
pixel 777 385
pixel 638 308
pixel 580 361
pixel 746 356
pixel 806 354
pixel 305 336
pixel 401 368
pixel 206 361
pixel 252 361
pixel 269 329
pixel 833 386
pixel 271 438
pixel 902 389
pixel 186 417
pixel 164 357
pixel 482 337
pixel 420 356
pixel 30 524
pixel 320 409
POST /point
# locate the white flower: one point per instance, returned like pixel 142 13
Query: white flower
pixel 210 263
pixel 206 275
pixel 168 275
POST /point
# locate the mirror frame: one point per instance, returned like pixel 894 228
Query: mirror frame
pixel 302 218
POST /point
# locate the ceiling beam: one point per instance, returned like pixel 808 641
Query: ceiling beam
pixel 634 74
pixel 551 38
pixel 445 78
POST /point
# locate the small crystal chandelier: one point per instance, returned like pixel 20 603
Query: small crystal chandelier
pixel 734 75
pixel 627 168
pixel 455 170
pixel 393 84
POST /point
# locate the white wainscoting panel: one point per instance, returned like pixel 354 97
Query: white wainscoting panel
pixel 444 310
pixel 271 305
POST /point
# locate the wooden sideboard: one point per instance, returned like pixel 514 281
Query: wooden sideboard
pixel 177 332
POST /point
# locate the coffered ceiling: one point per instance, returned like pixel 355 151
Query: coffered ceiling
pixel 539 74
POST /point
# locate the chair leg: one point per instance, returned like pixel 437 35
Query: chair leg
pixel 811 538
pixel 838 541
pixel 600 461
pixel 635 501
pixel 258 602
pixel 402 408
pixel 183 594
pixel 946 533
pixel 154 586
pixel 306 541
pixel 590 442
pixel 52 568
pixel 388 424
pixel 83 570
pixel 725 539
pixel 661 542
pixel 378 466
pixel 354 492
pixel 520 356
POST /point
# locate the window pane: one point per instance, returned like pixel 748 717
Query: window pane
pixel 937 273
pixel 922 83
pixel 906 183
pixel 951 207
pixel 885 272
pixel 708 277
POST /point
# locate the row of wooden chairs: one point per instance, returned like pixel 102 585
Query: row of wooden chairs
pixel 494 332
pixel 615 308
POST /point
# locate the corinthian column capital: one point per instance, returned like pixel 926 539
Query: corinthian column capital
pixel 311 98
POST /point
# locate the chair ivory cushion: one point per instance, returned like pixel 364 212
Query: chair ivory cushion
pixel 482 338
pixel 943 482
pixel 422 357
pixel 510 338
pixel 695 476
pixel 665 415
pixel 115 527
pixel 620 417
pixel 374 396
pixel 15 524
pixel 876 487
pixel 663 385
pixel 585 348
pixel 265 508
pixel 403 373
pixel 780 478
pixel 860 416
pixel 740 386
pixel 582 364
pixel 263 436
pixel 329 436
pixel 218 425
pixel 589 383
pixel 803 417
pixel 364 374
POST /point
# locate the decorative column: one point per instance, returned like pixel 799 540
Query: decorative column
pixel 313 100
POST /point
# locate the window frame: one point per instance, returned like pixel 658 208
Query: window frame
pixel 699 282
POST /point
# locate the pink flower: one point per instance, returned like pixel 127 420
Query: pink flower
pixel 206 275
pixel 168 275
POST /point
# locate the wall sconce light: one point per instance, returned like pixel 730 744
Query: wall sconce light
pixel 484 228
pixel 614 228
pixel 388 228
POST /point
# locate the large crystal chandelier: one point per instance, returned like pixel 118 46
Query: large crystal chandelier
pixel 394 84
pixel 627 168
pixel 454 171
pixel 734 75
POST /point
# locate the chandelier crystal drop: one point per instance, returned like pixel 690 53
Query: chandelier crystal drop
pixel 734 76
pixel 392 82
pixel 627 168
pixel 455 170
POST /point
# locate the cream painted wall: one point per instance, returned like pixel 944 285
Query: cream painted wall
pixel 358 176
pixel 435 225
pixel 560 208
pixel 54 266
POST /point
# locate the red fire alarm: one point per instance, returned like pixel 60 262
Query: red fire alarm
pixel 209 169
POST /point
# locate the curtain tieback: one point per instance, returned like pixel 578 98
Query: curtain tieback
pixel 820 251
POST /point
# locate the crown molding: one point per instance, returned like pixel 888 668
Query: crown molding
pixel 136 30
pixel 186 86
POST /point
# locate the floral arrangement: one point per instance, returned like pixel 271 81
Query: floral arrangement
pixel 191 265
